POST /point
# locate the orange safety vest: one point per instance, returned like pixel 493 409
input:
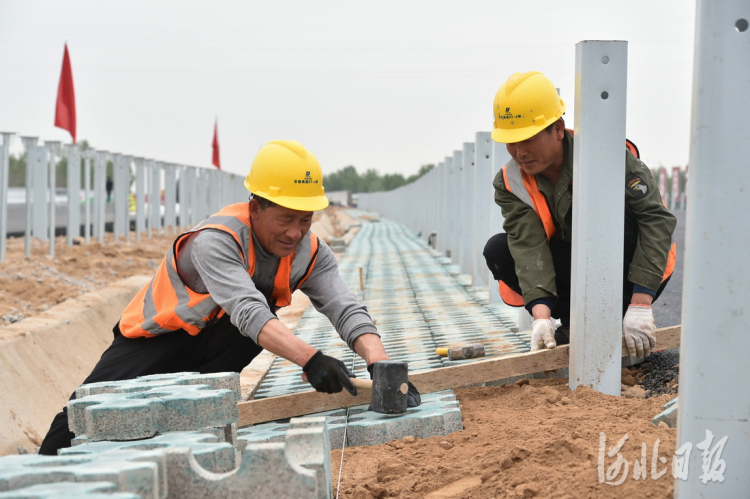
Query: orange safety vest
pixel 166 304
pixel 525 188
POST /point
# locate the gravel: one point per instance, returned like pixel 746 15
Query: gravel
pixel 659 373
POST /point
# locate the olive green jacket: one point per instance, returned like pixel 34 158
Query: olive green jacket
pixel 528 242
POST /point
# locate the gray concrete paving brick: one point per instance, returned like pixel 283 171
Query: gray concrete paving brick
pixel 669 414
pixel 438 415
pixel 69 490
pixel 217 381
pixel 307 440
pixel 266 470
pixel 143 414
pixel 210 452
pixel 137 472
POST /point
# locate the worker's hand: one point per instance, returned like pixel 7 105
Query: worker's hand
pixel 638 331
pixel 543 334
pixel 413 398
pixel 328 374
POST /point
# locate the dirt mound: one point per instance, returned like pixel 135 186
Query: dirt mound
pixel 30 286
pixel 524 440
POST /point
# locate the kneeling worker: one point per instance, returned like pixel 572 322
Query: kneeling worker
pixel 532 259
pixel 211 305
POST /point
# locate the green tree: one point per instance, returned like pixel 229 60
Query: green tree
pixel 348 179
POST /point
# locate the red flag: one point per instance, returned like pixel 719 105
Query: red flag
pixel 216 162
pixel 65 112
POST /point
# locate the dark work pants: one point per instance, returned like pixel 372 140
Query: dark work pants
pixel 218 348
pixel 503 267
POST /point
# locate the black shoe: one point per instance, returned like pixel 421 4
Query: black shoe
pixel 562 335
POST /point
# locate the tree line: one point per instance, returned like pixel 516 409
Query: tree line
pixel 348 179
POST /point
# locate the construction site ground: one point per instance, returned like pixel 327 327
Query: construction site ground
pixel 527 439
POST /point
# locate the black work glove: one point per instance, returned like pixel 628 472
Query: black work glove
pixel 413 398
pixel 328 374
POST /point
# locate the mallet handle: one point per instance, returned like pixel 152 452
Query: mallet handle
pixel 365 384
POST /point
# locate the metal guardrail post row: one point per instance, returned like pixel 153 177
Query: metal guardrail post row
pixel 167 198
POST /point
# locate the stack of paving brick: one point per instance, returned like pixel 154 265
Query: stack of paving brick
pixel 171 436
pixel 419 302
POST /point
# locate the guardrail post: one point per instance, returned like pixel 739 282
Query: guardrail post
pixel 88 156
pixel 4 168
pixel 442 231
pixel 154 198
pixel 31 146
pixel 465 235
pixel 715 313
pixel 52 147
pixel 74 193
pixel 455 206
pixel 183 197
pixel 483 203
pixel 170 181
pixel 202 194
pixel 140 197
pixel 100 194
pixel 598 212
pixel 119 191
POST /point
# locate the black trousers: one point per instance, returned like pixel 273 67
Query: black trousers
pixel 218 348
pixel 503 267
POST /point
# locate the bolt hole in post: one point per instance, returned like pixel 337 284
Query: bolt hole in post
pixel 741 25
pixel 605 59
pixel 605 95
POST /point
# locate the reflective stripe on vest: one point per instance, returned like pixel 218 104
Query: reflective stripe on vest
pixel 166 304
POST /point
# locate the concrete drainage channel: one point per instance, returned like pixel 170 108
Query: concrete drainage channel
pixel 176 436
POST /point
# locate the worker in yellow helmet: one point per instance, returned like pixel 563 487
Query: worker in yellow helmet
pixel 531 260
pixel 211 306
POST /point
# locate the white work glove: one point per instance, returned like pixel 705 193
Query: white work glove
pixel 543 334
pixel 638 331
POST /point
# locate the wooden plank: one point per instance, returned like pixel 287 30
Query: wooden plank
pixel 428 381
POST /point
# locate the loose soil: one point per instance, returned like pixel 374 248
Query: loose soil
pixel 535 439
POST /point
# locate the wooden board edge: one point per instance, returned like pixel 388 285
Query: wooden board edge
pixel 428 381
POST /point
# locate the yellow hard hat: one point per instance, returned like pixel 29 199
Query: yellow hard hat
pixel 286 173
pixel 525 105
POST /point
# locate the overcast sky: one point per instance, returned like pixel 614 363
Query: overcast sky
pixel 389 85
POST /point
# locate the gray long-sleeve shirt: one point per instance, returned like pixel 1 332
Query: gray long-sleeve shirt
pixel 210 263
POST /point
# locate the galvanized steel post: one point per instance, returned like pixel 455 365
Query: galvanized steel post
pixel 170 181
pixel 31 145
pixel 118 201
pixel 466 200
pixel 154 198
pixel 140 197
pixel 598 211
pixel 442 237
pixel 88 156
pixel 715 314
pixel 483 195
pixel 100 194
pixel 454 210
pixel 183 198
pixel 4 168
pixel 73 182
pixel 52 147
